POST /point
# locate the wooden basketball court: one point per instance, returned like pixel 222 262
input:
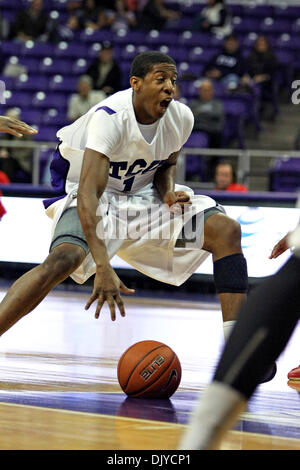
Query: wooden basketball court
pixel 59 388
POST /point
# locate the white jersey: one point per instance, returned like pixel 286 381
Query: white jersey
pixel 110 127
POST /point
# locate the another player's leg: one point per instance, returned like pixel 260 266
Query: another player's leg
pixel 222 237
pixel 31 288
pixel 265 324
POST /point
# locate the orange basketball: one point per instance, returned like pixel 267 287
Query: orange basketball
pixel 149 369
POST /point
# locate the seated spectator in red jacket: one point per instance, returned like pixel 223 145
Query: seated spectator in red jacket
pixel 225 178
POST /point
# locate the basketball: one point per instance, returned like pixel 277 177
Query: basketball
pixel 149 369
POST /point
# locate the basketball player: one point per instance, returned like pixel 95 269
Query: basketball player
pixel 122 154
pixel 15 127
pixel 264 327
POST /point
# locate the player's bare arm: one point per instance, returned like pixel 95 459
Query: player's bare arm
pixel 164 182
pixel 15 127
pixel 107 285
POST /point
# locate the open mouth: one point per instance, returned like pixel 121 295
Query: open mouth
pixel 165 103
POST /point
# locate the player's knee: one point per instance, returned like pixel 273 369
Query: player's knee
pixel 222 233
pixel 232 233
pixel 62 261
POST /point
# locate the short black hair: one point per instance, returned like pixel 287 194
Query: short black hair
pixel 143 62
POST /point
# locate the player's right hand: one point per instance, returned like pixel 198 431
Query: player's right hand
pixel 15 127
pixel 107 288
pixel 280 247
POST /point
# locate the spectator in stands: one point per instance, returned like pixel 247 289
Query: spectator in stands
pixel 225 178
pixel 105 71
pixel 67 31
pixel 261 65
pixel 214 18
pixel 97 14
pixel 4 27
pixel 86 97
pixel 209 118
pixel 228 65
pixel 123 17
pixel 208 113
pixel 154 15
pixel 16 162
pixel 30 23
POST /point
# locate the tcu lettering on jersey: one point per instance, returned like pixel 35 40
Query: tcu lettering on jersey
pixel 126 172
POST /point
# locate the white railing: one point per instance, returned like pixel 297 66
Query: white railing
pixel 243 157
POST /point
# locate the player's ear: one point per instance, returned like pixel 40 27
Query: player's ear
pixel 135 83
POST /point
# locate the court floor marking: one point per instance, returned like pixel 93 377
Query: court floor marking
pixel 233 437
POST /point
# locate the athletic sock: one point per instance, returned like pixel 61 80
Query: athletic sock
pixel 217 411
pixel 227 328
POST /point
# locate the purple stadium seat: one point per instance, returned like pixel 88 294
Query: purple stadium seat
pixel 202 55
pixel 31 64
pixel 91 36
pixel 154 38
pixel 10 48
pixel 191 8
pixel 247 42
pixel 246 25
pixel 285 175
pixel 31 82
pixel 183 23
pixel 59 4
pixel 236 113
pixel 36 49
pixel 296 27
pixel 46 133
pixel 274 26
pixel 196 164
pixel 63 83
pixel 9 82
pixel 286 42
pixel 54 117
pixel 42 100
pixel 123 37
pixel 80 66
pixel 197 139
pixel 52 65
pixel 258 11
pixel 189 71
pixel 179 54
pixel 19 99
pixel 31 116
pixel 16 5
pixel 286 11
pixel 70 50
pixel 129 51
pixel 194 39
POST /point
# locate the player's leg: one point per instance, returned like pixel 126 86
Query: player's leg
pixel 67 251
pixel 31 288
pixel 265 324
pixel 222 238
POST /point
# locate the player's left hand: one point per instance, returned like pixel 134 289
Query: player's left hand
pixel 175 199
pixel 15 127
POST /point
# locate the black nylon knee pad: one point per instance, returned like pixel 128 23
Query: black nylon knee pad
pixel 231 275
